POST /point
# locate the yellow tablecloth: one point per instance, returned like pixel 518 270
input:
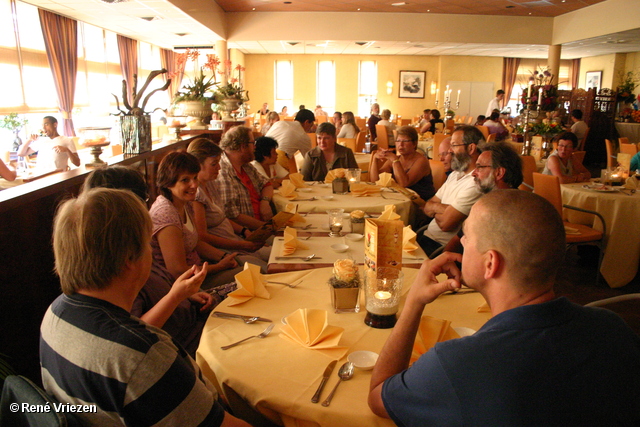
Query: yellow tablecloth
pixel 279 378
pixel 369 204
pixel 622 216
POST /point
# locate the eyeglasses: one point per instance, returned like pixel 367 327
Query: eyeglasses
pixel 565 146
pixel 458 145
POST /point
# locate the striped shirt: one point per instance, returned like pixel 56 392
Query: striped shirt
pixel 95 353
pixel 234 195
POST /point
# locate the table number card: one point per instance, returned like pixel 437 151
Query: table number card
pixel 383 243
pixel 624 160
pixel 536 147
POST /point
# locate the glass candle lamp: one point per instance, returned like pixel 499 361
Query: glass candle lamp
pixel 383 288
pixel 353 175
pixel 336 219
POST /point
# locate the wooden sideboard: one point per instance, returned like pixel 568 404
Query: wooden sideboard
pixel 28 283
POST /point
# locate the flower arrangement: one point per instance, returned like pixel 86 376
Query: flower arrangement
pixel 12 122
pixel 625 90
pixel 135 108
pixel 541 83
pixel 201 84
pixel 233 89
pixel 548 130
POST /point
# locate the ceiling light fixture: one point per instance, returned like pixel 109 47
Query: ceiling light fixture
pixel 293 43
pixel 114 1
pixel 401 3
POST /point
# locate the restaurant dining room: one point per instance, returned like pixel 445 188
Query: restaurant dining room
pixel 319 213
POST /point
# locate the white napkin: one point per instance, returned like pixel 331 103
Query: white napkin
pixel 288 189
pixel 385 180
pixel 389 213
pixel 250 284
pixel 291 242
pixel 335 173
pixel 409 244
pixel 310 329
pixel 296 179
pixel 293 208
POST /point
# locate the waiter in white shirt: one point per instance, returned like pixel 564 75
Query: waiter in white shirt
pixel 54 151
pixel 494 104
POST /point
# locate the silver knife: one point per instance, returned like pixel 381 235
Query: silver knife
pixel 297 257
pixel 238 316
pixel 325 377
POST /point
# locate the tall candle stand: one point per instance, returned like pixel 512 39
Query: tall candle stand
pixel 529 113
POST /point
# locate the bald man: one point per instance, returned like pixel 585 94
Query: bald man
pixel 540 360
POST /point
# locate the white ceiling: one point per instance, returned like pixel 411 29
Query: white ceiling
pixel 170 27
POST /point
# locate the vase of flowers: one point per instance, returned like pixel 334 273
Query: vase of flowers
pixel 231 95
pixel 344 286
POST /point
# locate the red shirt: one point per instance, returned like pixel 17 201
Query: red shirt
pixel 253 193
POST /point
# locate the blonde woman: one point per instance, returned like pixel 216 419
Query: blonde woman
pixel 349 127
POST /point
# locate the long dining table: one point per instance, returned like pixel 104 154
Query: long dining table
pixel 621 213
pixel 314 199
pixel 277 378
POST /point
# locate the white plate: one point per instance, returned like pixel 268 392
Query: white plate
pixel 323 185
pixel 600 188
pixel 305 190
pixel 354 236
pixel 464 332
pixel 327 198
pixel 364 360
pixel 339 247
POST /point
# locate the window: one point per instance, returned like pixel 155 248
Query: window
pixel 367 86
pixel 284 86
pixel 326 86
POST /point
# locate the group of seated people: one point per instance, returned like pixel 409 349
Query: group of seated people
pixel 122 334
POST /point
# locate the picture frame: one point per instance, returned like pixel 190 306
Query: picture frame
pixel 593 79
pixel 412 84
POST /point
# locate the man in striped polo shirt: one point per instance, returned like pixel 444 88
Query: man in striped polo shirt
pixel 92 351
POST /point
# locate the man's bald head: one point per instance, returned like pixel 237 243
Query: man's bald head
pixel 526 230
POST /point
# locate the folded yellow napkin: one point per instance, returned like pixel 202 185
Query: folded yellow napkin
pixel 430 332
pixel 291 242
pixel 333 174
pixel 288 190
pixel 293 208
pixel 409 244
pixel 250 284
pixel 309 328
pixel 360 190
pixel 571 230
pixel 296 179
pixel 385 179
pixel 632 183
pixel 389 213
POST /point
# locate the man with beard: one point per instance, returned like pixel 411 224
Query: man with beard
pixel 453 201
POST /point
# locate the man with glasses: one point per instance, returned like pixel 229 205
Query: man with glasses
pixel 453 201
pixel 245 193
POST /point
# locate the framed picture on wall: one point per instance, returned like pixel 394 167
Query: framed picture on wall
pixel 412 84
pixel 593 79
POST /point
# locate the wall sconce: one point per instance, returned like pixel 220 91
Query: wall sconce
pixel 389 87
pixel 433 88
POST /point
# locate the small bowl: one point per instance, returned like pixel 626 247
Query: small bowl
pixel 305 190
pixel 327 198
pixel 364 360
pixel 323 185
pixel 354 236
pixel 339 247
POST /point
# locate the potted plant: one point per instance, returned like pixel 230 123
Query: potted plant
pixel 232 94
pixel 14 123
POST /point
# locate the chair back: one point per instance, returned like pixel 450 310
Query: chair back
pixel 437 172
pixel 361 139
pixel 437 139
pixel 528 168
pixel 312 138
pixel 405 122
pixel 348 142
pixel 439 127
pixel 628 148
pixel 450 125
pixel 299 161
pixel 484 130
pixel 609 146
pixel 470 120
pixel 491 137
pixel 623 140
pixel 578 157
pixel 18 390
pixel 383 138
pixel 361 122
pixel 321 119
pixel 288 118
pixel 548 186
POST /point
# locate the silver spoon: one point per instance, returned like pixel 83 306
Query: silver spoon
pixel 304 258
pixel 345 373
pixel 261 335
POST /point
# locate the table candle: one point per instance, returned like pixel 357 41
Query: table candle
pixel 382 295
pixel 437 94
pixel 540 96
pixel 458 99
pixel 530 85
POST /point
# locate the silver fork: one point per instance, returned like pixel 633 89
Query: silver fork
pixel 260 335
pixel 292 285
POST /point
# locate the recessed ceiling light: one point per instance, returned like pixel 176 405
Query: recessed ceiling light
pixel 287 2
pixel 182 34
pixel 293 43
pixel 253 8
pixel 358 8
pixel 361 43
pixel 529 13
pixel 151 18
pixel 510 7
pixel 401 3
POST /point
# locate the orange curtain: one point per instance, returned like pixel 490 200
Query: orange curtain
pixel 61 43
pixel 128 50
pixel 575 73
pixel 168 58
pixel 509 74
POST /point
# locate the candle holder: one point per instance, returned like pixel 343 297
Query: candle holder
pixel 336 218
pixel 353 175
pixel 383 288
pixel 95 138
pixel 176 124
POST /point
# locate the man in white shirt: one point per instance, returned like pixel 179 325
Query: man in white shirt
pixel 453 201
pixel 578 128
pixel 292 135
pixel 54 151
pixel 494 104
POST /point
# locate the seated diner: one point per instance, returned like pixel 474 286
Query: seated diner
pixel 327 155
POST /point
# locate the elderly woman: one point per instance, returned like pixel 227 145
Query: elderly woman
pixel 176 245
pixel 179 307
pixel 327 155
pixel 272 117
pixel 213 226
pixel 349 127
pixel 266 161
pixel 386 116
pixel 409 168
pixel 563 165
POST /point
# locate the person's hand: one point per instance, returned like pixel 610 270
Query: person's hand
pixel 33 137
pixel 60 149
pixel 203 298
pixel 426 287
pixel 189 282
pixel 265 211
pixel 228 262
pixel 251 246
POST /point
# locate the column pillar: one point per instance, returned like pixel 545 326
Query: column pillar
pixel 221 51
pixel 554 61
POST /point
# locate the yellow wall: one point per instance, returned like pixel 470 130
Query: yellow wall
pixel 604 63
pixel 260 78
